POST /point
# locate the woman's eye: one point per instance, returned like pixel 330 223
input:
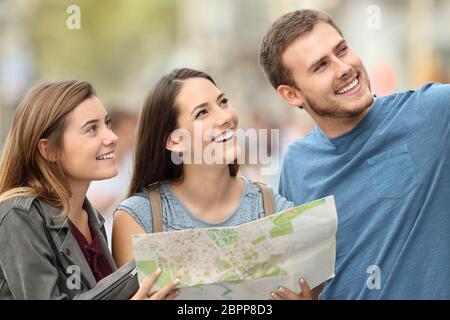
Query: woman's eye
pixel 224 102
pixel 92 129
pixel 200 113
pixel 108 124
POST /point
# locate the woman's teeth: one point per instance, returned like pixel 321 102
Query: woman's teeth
pixel 106 156
pixel 227 135
pixel 349 87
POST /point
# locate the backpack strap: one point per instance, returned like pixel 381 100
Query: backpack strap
pixel 155 204
pixel 267 195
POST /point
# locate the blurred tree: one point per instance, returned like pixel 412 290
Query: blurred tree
pixel 115 39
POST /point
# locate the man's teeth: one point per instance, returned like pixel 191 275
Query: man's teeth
pixel 224 136
pixel 106 156
pixel 349 87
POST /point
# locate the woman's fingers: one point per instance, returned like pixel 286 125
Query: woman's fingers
pixel 165 291
pixel 173 294
pixel 146 286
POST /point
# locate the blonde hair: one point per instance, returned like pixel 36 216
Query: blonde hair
pixel 24 171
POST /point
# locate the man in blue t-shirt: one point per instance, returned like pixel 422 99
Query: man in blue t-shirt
pixel 384 159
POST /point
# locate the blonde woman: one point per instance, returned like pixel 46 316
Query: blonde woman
pixel 52 241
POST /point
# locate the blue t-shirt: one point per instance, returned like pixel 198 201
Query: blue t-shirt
pixel 390 176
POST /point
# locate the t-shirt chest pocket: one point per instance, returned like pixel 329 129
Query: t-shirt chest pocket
pixel 393 173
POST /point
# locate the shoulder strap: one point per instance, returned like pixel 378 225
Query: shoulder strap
pixel 155 203
pixel 268 201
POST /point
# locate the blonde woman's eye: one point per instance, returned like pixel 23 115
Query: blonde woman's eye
pixel 92 129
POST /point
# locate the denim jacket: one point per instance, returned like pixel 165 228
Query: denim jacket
pixel 32 266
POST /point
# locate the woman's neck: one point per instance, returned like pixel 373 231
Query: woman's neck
pixel 204 187
pixel 79 190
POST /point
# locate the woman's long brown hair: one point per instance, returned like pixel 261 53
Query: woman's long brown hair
pixel 158 119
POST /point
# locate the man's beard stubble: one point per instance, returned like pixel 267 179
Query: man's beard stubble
pixel 335 112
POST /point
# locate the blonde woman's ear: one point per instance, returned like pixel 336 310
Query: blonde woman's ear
pixel 44 150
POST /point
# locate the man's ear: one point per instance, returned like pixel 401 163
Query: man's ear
pixel 291 95
pixel 44 150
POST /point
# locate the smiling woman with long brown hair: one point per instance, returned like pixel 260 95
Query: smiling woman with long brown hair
pixel 59 141
pixel 184 113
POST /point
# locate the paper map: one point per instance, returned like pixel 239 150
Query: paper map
pixel 245 261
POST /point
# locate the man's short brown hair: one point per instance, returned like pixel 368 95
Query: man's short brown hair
pixel 280 35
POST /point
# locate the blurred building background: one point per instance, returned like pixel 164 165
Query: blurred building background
pixel 124 46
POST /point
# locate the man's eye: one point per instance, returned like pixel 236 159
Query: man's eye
pixel 200 113
pixel 343 51
pixel 320 66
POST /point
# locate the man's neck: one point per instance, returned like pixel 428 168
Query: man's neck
pixel 335 127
